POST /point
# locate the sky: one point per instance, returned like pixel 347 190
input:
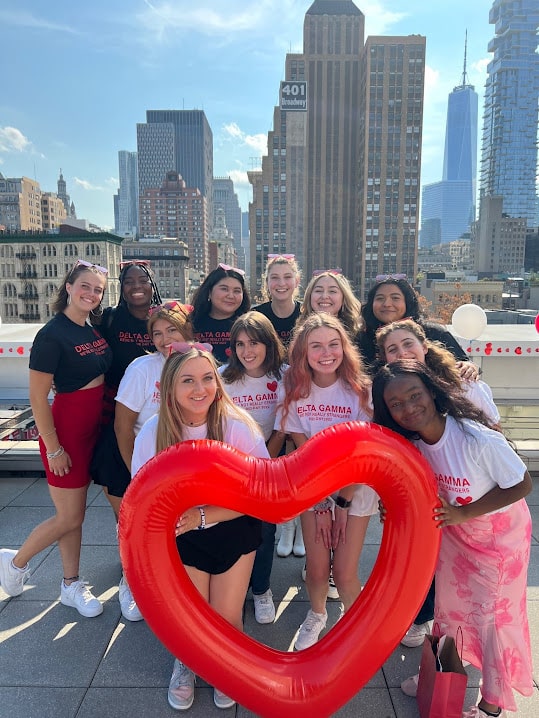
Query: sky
pixel 78 77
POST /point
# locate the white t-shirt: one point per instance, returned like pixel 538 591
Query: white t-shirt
pixel 237 434
pixel 325 406
pixel 480 395
pixel 470 460
pixel 258 396
pixel 139 388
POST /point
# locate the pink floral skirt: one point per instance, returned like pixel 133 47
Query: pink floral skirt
pixel 481 582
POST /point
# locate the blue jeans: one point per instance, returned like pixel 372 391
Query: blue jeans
pixel 260 576
pixel 426 612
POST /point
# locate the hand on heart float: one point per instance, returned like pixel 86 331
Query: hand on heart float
pixel 272 683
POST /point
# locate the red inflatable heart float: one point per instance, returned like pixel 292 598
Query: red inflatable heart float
pixel 271 683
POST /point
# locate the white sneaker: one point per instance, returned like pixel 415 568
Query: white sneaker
pixel 130 610
pixel 264 607
pixel 298 549
pixel 78 595
pixel 221 700
pixel 12 578
pixel 286 539
pixel 333 592
pixel 310 629
pixel 415 635
pixel 181 689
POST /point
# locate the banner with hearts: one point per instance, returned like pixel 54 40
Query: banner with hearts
pixel 272 683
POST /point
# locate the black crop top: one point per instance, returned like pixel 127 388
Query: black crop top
pixel 74 355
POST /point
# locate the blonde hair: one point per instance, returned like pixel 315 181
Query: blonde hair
pixel 299 376
pixel 437 357
pixel 350 312
pixel 280 259
pixel 170 425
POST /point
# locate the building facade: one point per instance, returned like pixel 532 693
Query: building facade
pixel 226 199
pixel 499 240
pixel 511 110
pixel 172 209
pixel 339 186
pixel 20 204
pixel 33 265
pixel 179 140
pixel 126 205
pixel 53 212
pixel 169 259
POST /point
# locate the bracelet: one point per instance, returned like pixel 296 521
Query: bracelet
pixel 202 519
pixel 49 433
pixel 55 454
pixel 324 511
pixel 323 506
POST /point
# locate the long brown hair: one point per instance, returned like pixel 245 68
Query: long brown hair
pixel 170 426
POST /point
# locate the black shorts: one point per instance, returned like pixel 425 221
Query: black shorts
pixel 107 467
pixel 217 549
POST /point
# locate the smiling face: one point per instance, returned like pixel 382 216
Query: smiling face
pixel 163 334
pixel 282 282
pixel 401 344
pixel 195 389
pixel 251 353
pixel 324 355
pixel 412 407
pixel 326 296
pixel 136 288
pixel 226 297
pixel 389 304
pixel 86 291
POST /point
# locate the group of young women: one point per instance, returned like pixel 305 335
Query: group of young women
pixel 265 381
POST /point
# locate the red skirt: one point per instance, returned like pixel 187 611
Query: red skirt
pixel 77 418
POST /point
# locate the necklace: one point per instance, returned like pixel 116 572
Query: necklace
pixel 193 424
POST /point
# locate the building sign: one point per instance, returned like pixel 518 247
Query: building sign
pixel 293 96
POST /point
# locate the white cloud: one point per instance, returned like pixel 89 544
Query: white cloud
pixel 87 185
pixel 13 140
pixel 21 18
pixel 378 20
pixel 112 181
pixel 258 142
pixel 239 177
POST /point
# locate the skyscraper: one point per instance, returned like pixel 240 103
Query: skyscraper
pixel 339 185
pixel 509 141
pixel 452 201
pixel 179 141
pixel 127 204
pixel 226 199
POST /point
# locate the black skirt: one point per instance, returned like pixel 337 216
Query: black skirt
pixel 107 467
pixel 216 549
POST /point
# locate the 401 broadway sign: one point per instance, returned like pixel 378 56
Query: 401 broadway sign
pixel 293 96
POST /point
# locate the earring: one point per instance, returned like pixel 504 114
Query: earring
pixel 99 311
pixel 68 299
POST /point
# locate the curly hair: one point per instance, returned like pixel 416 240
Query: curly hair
pixel 448 398
pixel 259 329
pixel 201 298
pixel 298 378
pixel 437 357
pixel 350 312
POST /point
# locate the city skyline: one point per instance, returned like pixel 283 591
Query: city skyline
pixel 113 64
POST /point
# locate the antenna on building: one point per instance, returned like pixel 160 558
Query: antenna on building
pixel 464 77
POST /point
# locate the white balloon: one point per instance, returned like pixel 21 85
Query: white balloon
pixel 469 321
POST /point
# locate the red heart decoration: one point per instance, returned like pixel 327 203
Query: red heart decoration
pixel 272 385
pixel 518 350
pixel 464 500
pixel 271 683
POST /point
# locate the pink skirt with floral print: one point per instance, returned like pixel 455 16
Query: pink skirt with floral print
pixel 481 582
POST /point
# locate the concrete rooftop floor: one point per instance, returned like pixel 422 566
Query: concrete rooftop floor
pixel 56 664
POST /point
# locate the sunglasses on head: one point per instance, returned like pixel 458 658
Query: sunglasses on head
pixel 173 306
pixel 135 263
pixel 318 272
pixel 384 277
pixel 186 347
pixel 89 265
pixel 228 268
pixel 282 256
